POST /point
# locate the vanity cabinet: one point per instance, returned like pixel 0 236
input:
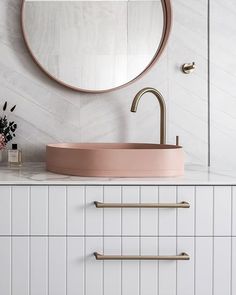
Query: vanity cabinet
pixel 48 236
pixel 70 211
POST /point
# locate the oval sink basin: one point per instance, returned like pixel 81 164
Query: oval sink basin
pixel 115 159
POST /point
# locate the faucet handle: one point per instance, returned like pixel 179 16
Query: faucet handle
pixel 177 140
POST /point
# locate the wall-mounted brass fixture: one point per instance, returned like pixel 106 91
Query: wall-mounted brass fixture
pixel 162 104
pixel 188 68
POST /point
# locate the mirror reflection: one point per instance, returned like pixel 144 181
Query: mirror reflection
pixel 93 45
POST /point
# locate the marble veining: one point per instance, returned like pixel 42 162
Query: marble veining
pixel 36 174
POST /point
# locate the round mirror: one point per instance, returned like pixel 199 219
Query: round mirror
pixel 95 46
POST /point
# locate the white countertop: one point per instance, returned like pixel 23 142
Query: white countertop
pixel 36 174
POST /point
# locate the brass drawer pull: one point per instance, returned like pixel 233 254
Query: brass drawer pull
pixel 181 256
pixel 142 205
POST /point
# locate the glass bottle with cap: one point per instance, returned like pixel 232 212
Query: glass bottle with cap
pixel 14 156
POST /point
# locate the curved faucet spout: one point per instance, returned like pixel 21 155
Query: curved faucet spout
pixel 161 100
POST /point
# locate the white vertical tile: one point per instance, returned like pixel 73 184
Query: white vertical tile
pixel 5 265
pixel 185 269
pixel 149 269
pixel 39 210
pixel 38 266
pixel 204 211
pixel 94 216
pixel 222 210
pixel 5 210
pixel 57 210
pixel 20 266
pixel 130 268
pixel 75 266
pixel 112 217
pixel 20 210
pixel 130 217
pixel 233 261
pixel 112 268
pixel 167 217
pixel 233 211
pixel 149 217
pixel 57 266
pixel 222 266
pixel 75 210
pixel 203 265
pixel 167 269
pixel 185 216
pixel 93 267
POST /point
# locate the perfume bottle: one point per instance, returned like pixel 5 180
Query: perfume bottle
pixel 14 156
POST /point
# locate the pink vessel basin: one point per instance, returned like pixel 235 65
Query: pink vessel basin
pixel 115 159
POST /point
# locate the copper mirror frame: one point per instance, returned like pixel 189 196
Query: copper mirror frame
pixel 167 19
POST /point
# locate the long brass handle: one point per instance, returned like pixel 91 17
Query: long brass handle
pixel 181 256
pixel 142 205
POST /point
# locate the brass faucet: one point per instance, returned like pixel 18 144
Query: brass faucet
pixel 162 109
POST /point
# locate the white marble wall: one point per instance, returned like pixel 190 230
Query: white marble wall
pixel 223 83
pixel 47 112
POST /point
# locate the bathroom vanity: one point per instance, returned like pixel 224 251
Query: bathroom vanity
pixel 143 230
pixel 63 235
